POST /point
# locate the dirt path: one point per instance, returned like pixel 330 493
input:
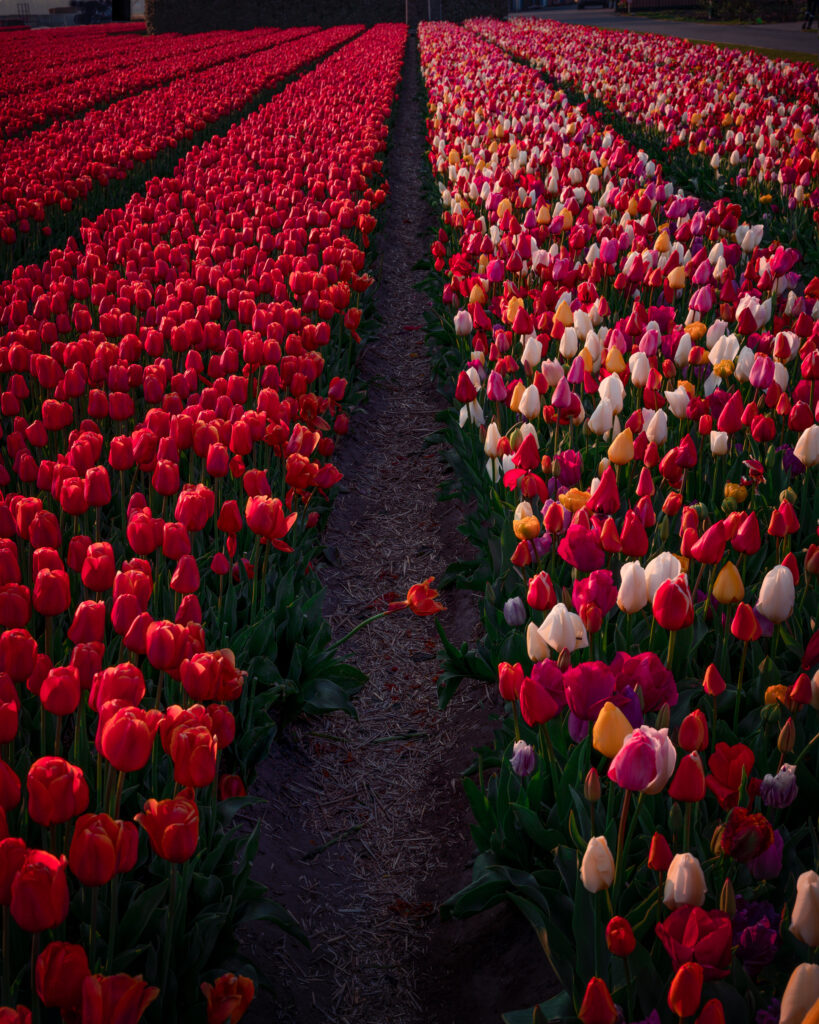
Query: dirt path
pixel 367 829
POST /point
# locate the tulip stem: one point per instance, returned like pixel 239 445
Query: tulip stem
pixel 806 748
pixel 112 927
pixel 6 960
pixel 35 1002
pixel 118 796
pixel 169 936
pixel 672 640
pixel 516 715
pixel 621 836
pixel 739 683
pixel 92 943
pixel 687 827
pixel 355 629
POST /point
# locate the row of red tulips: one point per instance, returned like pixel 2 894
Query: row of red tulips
pixel 168 409
pixel 635 417
pixel 84 75
pixel 752 117
pixel 43 176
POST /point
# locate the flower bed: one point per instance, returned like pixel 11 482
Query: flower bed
pixel 170 394
pixel 633 376
pixel 751 117
pixel 80 76
pixel 46 174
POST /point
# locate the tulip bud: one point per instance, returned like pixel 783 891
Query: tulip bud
pixel 727 899
pixel 659 853
pixel 597 866
pixel 610 730
pixel 711 1013
pixel 805 917
pixel 787 737
pixel 514 612
pixel 591 786
pixel 597 1006
pixel 716 839
pixel 564 659
pixel 620 937
pixel 713 683
pixel 685 992
pixel 663 716
pixel 800 994
pixel 675 817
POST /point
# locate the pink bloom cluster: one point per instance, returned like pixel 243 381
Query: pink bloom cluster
pixel 753 117
pixel 638 390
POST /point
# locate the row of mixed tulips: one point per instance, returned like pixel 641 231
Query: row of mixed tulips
pixel 168 411
pixel 634 415
pixel 83 75
pixel 752 117
pixel 45 175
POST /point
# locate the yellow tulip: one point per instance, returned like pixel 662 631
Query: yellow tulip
pixel 574 499
pixel 621 449
pixel 728 586
pixel 696 331
pixel 812 1016
pixel 737 492
pixel 610 730
pixel 614 360
pixel 663 243
pixel 778 693
pixel 564 314
pixel 517 394
pixel 544 215
pixel 477 295
pixel 588 359
pixel 676 278
pixel 526 528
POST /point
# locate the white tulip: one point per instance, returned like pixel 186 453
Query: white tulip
pixel 563 630
pixel 777 594
pixel 806 448
pixel 664 567
pixel 633 592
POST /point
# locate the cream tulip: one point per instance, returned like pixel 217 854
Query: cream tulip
pixel 633 592
pixel 535 646
pixel 684 883
pixel 806 448
pixel 657 430
pixel 601 420
pixel 678 401
pixel 563 630
pixel 777 594
pixel 491 441
pixel 612 390
pixel 597 866
pixel 530 403
pixel 805 916
pixel 664 567
pixel 719 442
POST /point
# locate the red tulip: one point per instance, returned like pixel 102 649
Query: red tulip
pixel 57 791
pixel 39 892
pixel 60 971
pixel 172 826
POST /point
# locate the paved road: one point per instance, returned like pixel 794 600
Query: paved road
pixel 787 36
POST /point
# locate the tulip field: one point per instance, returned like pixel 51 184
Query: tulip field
pixel 634 417
pixel 622 317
